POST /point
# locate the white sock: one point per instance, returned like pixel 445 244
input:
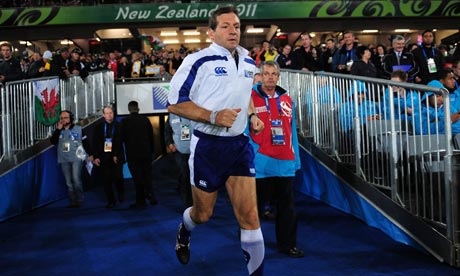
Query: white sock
pixel 187 220
pixel 252 243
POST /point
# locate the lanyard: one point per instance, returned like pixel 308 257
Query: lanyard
pixel 424 53
pixel 105 130
pixel 349 57
pixel 278 102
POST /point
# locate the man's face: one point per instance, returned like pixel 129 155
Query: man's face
pixel 330 44
pixel 270 76
pixel 399 45
pixel 349 38
pixel 108 115
pixel 75 56
pixel 449 81
pixel 286 50
pixel 428 38
pixel 457 70
pixel 6 52
pixel 65 119
pixel 306 41
pixel 227 33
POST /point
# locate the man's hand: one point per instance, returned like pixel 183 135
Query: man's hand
pixel 256 125
pixel 172 147
pixel 97 162
pixel 226 117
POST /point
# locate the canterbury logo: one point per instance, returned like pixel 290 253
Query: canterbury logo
pixel 220 71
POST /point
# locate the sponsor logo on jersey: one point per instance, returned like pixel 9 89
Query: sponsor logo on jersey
pixel 220 71
pixel 252 170
pixel 248 74
pixel 203 183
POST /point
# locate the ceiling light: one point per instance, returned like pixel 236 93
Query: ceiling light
pixel 191 32
pixel 66 42
pixel 171 41
pixel 208 40
pixel 255 31
pixel 22 42
pixel 312 34
pixel 370 31
pixel 113 33
pixel 168 33
pixel 402 30
pixel 192 40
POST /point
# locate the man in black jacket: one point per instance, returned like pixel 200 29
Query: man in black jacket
pixel 429 59
pixel 108 155
pixel 10 68
pixel 137 134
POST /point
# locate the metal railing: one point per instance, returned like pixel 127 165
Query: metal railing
pixel 20 129
pixel 389 135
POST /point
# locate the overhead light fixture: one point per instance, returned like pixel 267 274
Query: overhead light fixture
pixel 168 33
pixel 66 42
pixel 171 41
pixel 113 33
pixel 255 31
pixel 208 40
pixel 192 40
pixel 402 30
pixel 312 34
pixel 191 32
pixel 434 30
pixel 370 31
pixel 22 42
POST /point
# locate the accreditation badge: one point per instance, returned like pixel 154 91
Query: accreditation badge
pixel 277 132
pixel 431 66
pixel 184 132
pixel 66 147
pixel 108 145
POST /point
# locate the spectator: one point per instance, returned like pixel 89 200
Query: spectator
pixel 74 64
pixel 429 59
pixel 364 66
pixel 377 59
pixel 10 68
pixel 58 64
pixel 344 57
pixel 285 58
pixel 399 59
pixel 124 69
pixel 306 57
pixel 328 54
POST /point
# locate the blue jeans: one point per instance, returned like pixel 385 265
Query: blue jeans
pixel 72 175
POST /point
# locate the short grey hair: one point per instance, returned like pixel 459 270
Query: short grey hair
pixel 398 38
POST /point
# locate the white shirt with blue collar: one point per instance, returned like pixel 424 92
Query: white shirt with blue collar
pixel 211 79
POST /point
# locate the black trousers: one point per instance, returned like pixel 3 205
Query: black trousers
pixel 185 188
pixel 141 171
pixel 112 174
pixel 281 191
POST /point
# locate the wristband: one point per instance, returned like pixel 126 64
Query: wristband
pixel 212 117
pixel 252 114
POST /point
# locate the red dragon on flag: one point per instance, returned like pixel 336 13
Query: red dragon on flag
pixel 47 101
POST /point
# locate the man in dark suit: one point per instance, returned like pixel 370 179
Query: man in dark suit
pixel 108 156
pixel 137 134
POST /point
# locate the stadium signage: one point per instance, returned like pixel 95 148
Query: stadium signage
pixel 169 12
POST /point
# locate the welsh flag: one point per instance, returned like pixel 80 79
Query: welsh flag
pixel 47 103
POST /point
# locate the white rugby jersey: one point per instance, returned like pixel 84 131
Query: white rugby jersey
pixel 211 80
